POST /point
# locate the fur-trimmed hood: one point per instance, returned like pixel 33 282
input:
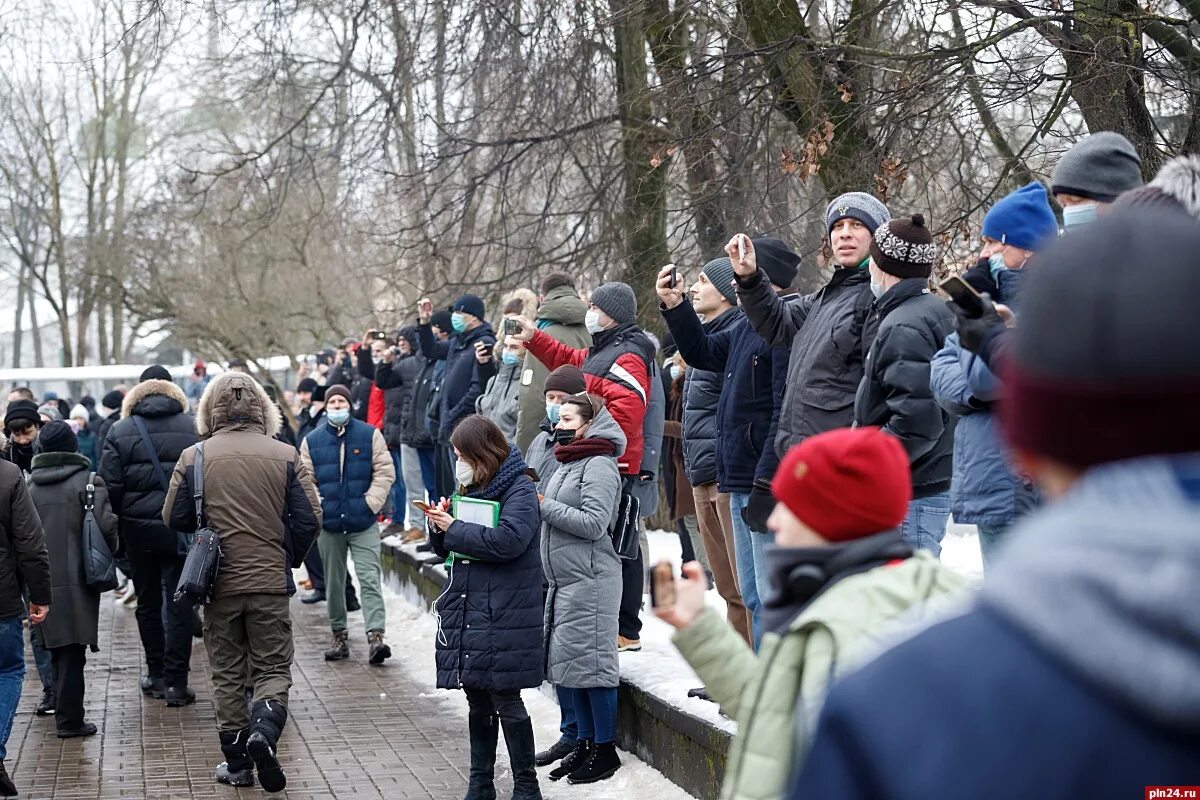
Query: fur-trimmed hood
pixel 1179 178
pixel 235 401
pixel 147 389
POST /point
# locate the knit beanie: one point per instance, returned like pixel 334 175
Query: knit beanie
pixel 155 373
pixel 1122 380
pixel 88 402
pixel 1176 187
pixel 904 248
pixel 57 437
pixel 470 304
pixel 1098 167
pixel 719 272
pixel 567 378
pixel 617 300
pixel 856 205
pixel 441 319
pixel 777 260
pixel 306 385
pixel 1022 218
pixel 846 483
pixel 337 390
pixel 50 410
pixel 21 410
pixel 112 400
pixel 79 410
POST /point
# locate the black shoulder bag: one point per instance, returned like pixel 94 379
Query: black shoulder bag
pixel 198 581
pixel 99 569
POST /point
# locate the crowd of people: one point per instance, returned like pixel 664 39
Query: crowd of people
pixel 811 450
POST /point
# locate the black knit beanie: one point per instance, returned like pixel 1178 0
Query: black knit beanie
pixel 904 247
pixel 57 437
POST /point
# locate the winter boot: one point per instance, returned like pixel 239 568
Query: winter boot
pixel 237 769
pixel 340 648
pixel 46 707
pixel 7 787
pixel 572 762
pixel 602 763
pixel 155 687
pixel 484 733
pixel 267 724
pixel 180 696
pixel 378 650
pixel 557 751
pixel 519 738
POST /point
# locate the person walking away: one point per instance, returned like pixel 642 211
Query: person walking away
pixel 1082 641
pixel 116 398
pixel 61 484
pixel 560 315
pixel 259 498
pixel 140 451
pixel 579 508
pixel 24 571
pixel 350 462
pixel 499 401
pixel 490 616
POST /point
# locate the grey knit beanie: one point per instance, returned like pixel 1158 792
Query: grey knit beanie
pixel 617 300
pixel 1098 167
pixel 719 272
pixel 856 205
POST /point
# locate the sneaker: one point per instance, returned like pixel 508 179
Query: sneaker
pixel 340 647
pixel 86 729
pixel 154 687
pixel 602 763
pixel 180 696
pixel 413 535
pixel 378 650
pixel 628 645
pixel 557 752
pixel 314 597
pixel 46 707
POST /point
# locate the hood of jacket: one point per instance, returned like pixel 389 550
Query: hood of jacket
pixel 563 306
pixel 235 401
pixel 57 467
pixel 1105 581
pixel 154 398
pixel 603 426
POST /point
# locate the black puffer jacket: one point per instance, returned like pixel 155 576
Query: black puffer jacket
pixel 701 398
pixel 24 564
pixel 415 431
pixel 399 383
pixel 912 325
pixel 134 487
pixel 459 389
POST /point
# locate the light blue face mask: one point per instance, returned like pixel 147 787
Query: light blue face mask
pixel 510 358
pixel 552 410
pixel 458 322
pixel 339 417
pixel 996 264
pixel 878 289
pixel 1074 216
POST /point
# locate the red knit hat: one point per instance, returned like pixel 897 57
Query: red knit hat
pixel 846 483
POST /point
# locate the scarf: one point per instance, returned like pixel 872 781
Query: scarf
pixel 508 473
pixel 583 448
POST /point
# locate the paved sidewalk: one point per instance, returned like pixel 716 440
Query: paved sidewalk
pixel 354 731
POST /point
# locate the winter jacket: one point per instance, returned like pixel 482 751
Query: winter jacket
pixel 617 368
pixel 459 389
pixel 702 396
pixel 353 471
pixel 539 457
pixel 1074 675
pixel 823 332
pixel 24 564
pixel 499 401
pixel 356 372
pixel 560 316
pixel 490 615
pixel 751 395
pixel 581 567
pixel 137 490
pixel 834 625
pixel 645 488
pixel 259 494
pixel 416 430
pixel 307 422
pixel 680 500
pixel 895 394
pixel 87 446
pixel 22 457
pixel 58 486
pixel 398 381
pixel 102 432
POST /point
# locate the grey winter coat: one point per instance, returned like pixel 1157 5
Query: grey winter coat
pixel 645 489
pixel 701 396
pixel 583 571
pixel 58 485
pixel 540 456
pixel 499 401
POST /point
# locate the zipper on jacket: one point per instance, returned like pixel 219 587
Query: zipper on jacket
pixel 754 377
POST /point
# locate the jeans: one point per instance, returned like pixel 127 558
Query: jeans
pixel 249 642
pixel 69 661
pixel 505 705
pixel 363 547
pixel 991 541
pixel 411 474
pixel 165 625
pixel 12 676
pixel 398 495
pixel 750 546
pixel 596 710
pixel 925 526
pixel 716 529
pixel 428 458
pixel 568 723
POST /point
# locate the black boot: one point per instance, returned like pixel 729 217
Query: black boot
pixel 557 751
pixel 602 763
pixel 155 687
pixel 7 787
pixel 572 762
pixel 268 720
pixel 519 738
pixel 237 769
pixel 46 707
pixel 484 734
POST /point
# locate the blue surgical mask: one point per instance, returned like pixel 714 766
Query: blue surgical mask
pixel 878 289
pixel 1074 216
pixel 996 264
pixel 552 410
pixel 458 322
pixel 339 417
pixel 511 359
pixel 676 371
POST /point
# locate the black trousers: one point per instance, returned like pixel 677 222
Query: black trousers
pixel 508 706
pixel 444 471
pixel 316 574
pixel 629 622
pixel 69 661
pixel 164 624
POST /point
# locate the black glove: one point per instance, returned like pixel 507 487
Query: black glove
pixel 758 508
pixel 974 331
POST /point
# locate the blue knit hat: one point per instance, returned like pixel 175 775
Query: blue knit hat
pixel 1022 218
pixel 470 304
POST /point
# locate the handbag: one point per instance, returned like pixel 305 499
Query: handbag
pixel 198 580
pixel 625 532
pixel 99 567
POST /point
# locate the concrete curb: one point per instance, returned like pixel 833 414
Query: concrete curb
pixel 688 750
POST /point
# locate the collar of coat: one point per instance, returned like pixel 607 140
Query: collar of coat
pixel 901 293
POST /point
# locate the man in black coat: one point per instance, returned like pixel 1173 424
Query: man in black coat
pixel 907 327
pixel 398 376
pixel 112 403
pixel 139 453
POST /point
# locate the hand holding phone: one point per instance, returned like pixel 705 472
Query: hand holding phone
pixel 963 295
pixel 741 254
pixel 662 585
pixel 678 602
pixel 667 286
pixel 511 326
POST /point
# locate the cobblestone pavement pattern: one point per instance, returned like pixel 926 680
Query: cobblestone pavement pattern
pixel 354 731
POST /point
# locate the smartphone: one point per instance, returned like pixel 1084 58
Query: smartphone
pixel 379 335
pixel 673 281
pixel 662 585
pixel 741 240
pixel 963 295
pixel 511 327
pixel 421 506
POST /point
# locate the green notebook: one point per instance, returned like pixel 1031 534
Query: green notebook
pixel 471 509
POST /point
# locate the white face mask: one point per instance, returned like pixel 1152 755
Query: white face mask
pixel 878 289
pixel 464 473
pixel 591 321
